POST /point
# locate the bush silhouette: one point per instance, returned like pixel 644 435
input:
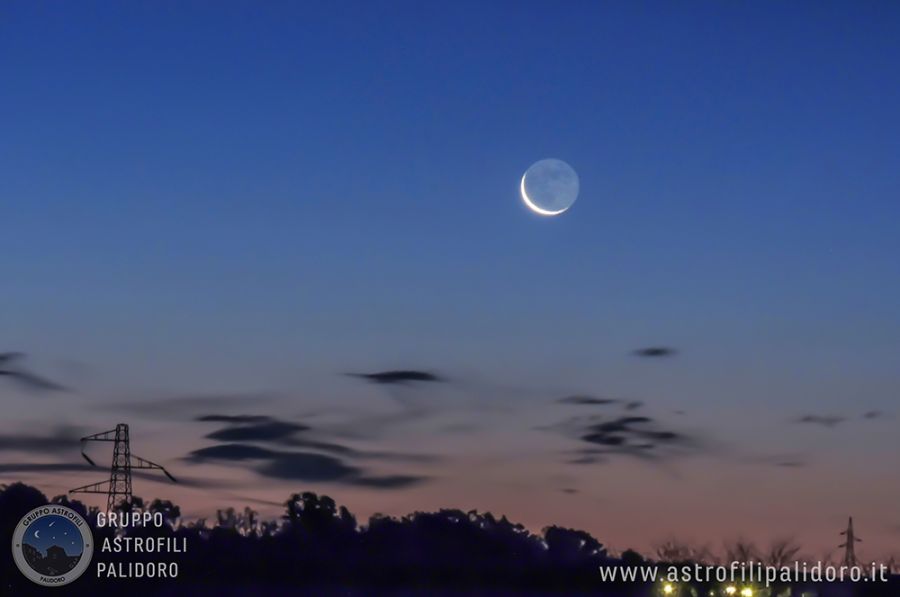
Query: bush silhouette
pixel 318 548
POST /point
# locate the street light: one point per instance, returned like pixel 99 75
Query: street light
pixel 730 590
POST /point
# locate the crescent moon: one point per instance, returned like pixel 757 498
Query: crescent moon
pixel 535 208
pixel 36 536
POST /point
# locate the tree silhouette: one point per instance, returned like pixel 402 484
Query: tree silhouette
pixel 317 548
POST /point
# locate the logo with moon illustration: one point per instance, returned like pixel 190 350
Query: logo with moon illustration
pixel 52 545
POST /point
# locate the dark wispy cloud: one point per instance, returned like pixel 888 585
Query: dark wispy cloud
pixel 631 431
pixel 829 421
pixel 403 376
pixel 269 431
pixel 407 387
pixel 232 452
pixel 588 400
pixel 93 474
pixel 655 352
pixel 388 481
pixel 873 415
pixel 245 499
pixel 788 460
pixel 232 418
pixel 307 466
pixel 266 429
pixel 184 480
pixel 177 407
pixel 602 438
pixel 332 447
pixel 299 466
pixel 583 400
pixel 289 453
pixel 12 370
pixel 51 467
pixel 61 440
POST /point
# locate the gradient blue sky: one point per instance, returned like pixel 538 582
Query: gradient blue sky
pixel 239 196
pixel 57 531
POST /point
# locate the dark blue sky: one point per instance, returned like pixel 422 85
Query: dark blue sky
pixel 54 530
pixel 243 195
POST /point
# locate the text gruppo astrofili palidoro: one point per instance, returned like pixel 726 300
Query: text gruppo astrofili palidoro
pixel 165 548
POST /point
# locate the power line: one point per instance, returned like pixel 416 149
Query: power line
pixel 118 487
pixel 849 546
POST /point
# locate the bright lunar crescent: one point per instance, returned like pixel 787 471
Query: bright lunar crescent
pixel 549 187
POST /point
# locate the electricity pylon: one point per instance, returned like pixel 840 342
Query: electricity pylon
pixel 849 546
pixel 118 488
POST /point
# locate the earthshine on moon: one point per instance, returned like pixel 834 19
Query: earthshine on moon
pixel 549 187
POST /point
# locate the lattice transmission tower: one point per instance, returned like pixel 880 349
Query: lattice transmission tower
pixel 118 487
pixel 850 545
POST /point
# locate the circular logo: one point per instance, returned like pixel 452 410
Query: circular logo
pixel 52 545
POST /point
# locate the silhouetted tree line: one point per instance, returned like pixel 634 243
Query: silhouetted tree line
pixel 318 548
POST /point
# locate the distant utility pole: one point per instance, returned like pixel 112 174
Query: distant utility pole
pixel 849 545
pixel 118 488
